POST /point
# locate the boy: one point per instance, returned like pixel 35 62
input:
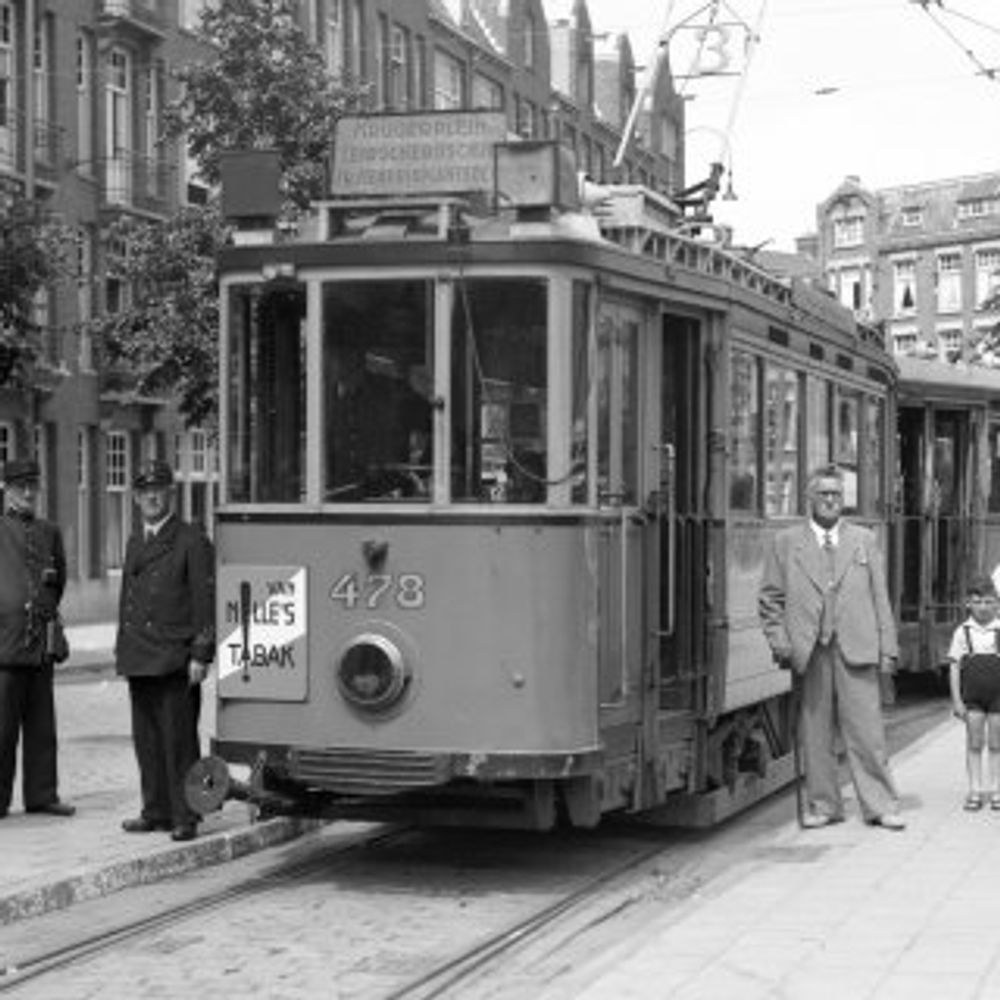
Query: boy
pixel 974 675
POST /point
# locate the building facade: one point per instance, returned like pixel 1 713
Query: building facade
pixel 83 86
pixel 922 259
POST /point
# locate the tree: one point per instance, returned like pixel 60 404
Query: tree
pixel 262 85
pixel 267 87
pixel 166 335
pixel 32 254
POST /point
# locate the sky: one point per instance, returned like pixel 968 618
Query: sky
pixel 891 91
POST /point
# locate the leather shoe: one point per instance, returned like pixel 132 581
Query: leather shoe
pixel 56 808
pixel 815 820
pixel 187 831
pixel 140 824
pixel 891 821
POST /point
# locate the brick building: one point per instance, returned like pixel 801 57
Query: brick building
pixel 921 258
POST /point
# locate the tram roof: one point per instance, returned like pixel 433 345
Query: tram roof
pixel 928 378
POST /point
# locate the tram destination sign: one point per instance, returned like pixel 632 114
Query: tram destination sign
pixel 262 635
pixel 446 152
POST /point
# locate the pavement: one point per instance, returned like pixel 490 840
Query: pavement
pixel 49 862
pixel 847 912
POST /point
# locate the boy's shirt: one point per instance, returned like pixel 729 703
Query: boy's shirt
pixel 983 639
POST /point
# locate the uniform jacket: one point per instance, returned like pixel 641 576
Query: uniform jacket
pixel 167 604
pixel 28 547
pixel 790 600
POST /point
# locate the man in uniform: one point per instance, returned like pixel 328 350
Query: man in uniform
pixel 32 580
pixel 166 642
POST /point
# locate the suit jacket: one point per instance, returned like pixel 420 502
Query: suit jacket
pixel 166 614
pixel 28 548
pixel 790 601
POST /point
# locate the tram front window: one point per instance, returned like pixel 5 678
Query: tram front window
pixel 377 389
pixel 499 442
pixel 266 394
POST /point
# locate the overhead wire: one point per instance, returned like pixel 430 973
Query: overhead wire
pixel 991 73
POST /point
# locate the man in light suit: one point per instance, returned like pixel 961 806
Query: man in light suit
pixel 824 607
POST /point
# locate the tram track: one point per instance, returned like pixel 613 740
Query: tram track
pixel 18 973
pixel 619 871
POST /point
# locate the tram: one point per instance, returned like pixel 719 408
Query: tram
pixel 498 469
pixel 947 523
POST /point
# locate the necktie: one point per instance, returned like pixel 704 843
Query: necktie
pixel 829 591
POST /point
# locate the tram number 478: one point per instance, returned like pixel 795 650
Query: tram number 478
pixel 406 590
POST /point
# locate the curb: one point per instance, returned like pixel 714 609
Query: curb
pixel 213 849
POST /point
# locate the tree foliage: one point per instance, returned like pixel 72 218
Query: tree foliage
pixel 32 255
pixel 166 335
pixel 266 87
pixel 261 84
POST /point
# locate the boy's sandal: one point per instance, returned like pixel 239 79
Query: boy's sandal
pixel 974 802
pixel 995 801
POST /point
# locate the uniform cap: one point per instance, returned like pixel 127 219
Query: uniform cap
pixel 152 475
pixel 21 470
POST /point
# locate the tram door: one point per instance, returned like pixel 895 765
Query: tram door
pixel 683 540
pixel 937 529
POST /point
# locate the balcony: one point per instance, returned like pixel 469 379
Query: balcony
pixel 140 19
pixel 134 181
pixel 48 143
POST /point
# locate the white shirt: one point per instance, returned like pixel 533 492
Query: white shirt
pixel 150 531
pixel 983 639
pixel 822 532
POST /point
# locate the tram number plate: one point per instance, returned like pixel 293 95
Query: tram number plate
pixel 405 590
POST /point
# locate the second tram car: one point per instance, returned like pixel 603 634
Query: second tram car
pixel 497 476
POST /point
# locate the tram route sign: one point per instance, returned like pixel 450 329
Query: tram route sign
pixel 445 152
pixel 262 633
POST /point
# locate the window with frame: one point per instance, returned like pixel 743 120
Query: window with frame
pixel 744 426
pixel 993 502
pixel 6 442
pixel 976 208
pixel 987 274
pixel 951 343
pixel 530 41
pixel 118 105
pixel 42 73
pixel 8 94
pixel 85 103
pixel 399 68
pixel 448 78
pixel 782 415
pixel 949 282
pixel 874 453
pixel 486 93
pixel 904 343
pixel 848 231
pixel 904 287
pixel 912 217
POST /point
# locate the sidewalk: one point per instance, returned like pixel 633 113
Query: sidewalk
pixel 50 862
pixel 848 912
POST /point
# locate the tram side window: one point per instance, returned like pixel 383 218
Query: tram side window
pixel 782 418
pixel 581 391
pixel 874 455
pixel 994 500
pixel 617 386
pixel 377 390
pixel 499 397
pixel 847 406
pixel 744 423
pixel 818 443
pixel 266 394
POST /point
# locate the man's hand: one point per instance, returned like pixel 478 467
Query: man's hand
pixel 197 671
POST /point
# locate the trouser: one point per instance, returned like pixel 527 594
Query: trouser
pixel 165 714
pixel 844 699
pixel 27 710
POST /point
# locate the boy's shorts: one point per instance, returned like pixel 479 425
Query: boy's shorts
pixel 979 681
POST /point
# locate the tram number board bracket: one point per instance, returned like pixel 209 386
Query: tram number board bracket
pixel 262 644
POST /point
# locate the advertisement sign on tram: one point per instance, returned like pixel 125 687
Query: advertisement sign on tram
pixel 262 638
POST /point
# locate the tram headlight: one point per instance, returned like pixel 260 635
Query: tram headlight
pixel 372 673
